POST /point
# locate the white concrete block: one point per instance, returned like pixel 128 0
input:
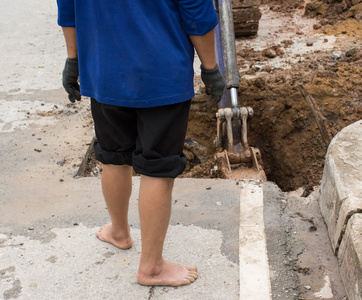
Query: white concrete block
pixel 253 258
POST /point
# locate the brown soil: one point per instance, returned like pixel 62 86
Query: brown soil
pixel 284 6
pixel 349 27
pixel 334 11
pixel 283 127
pixel 286 132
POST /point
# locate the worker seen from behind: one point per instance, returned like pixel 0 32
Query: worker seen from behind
pixel 134 60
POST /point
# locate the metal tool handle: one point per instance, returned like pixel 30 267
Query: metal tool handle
pixel 228 43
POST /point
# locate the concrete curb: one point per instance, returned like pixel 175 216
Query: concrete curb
pixel 350 257
pixel 253 258
pixel 341 204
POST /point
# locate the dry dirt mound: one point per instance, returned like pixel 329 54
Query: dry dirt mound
pixel 334 11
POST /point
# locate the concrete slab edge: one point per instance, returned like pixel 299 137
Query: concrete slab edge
pixel 350 258
pixel 347 211
pixel 341 205
pixel 253 258
pixel 330 198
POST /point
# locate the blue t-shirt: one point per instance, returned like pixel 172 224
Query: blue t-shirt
pixel 136 53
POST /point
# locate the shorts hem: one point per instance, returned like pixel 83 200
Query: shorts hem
pixel 112 157
pixel 165 167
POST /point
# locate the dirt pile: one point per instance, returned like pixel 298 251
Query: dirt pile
pixel 349 27
pixel 288 6
pixel 249 58
pixel 334 11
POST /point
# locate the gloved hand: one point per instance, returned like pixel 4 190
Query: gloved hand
pixel 70 79
pixel 214 84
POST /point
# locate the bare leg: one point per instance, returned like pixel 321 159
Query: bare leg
pixel 117 188
pixel 155 211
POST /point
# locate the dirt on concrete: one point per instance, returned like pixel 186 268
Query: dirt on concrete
pixel 302 262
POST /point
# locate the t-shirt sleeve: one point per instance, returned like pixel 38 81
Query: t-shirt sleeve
pixel 198 16
pixel 66 13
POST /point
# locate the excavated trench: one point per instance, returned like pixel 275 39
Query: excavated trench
pixel 283 128
pixel 327 61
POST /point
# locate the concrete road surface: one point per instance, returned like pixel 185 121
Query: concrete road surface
pixel 48 218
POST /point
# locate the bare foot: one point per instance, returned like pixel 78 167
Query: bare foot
pixel 167 273
pixel 122 241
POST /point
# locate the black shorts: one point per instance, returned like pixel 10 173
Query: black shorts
pixel 149 139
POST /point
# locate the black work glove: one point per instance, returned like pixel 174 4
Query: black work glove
pixel 214 84
pixel 70 79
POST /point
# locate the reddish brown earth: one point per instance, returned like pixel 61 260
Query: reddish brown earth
pixel 283 126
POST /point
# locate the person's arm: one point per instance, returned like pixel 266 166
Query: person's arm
pixel 66 20
pixel 205 48
pixel 71 72
pixel 210 74
pixel 199 20
pixel 70 41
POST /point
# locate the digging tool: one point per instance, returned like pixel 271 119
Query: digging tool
pixel 238 160
pixel 318 116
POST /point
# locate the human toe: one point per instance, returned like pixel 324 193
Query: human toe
pixel 193 269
